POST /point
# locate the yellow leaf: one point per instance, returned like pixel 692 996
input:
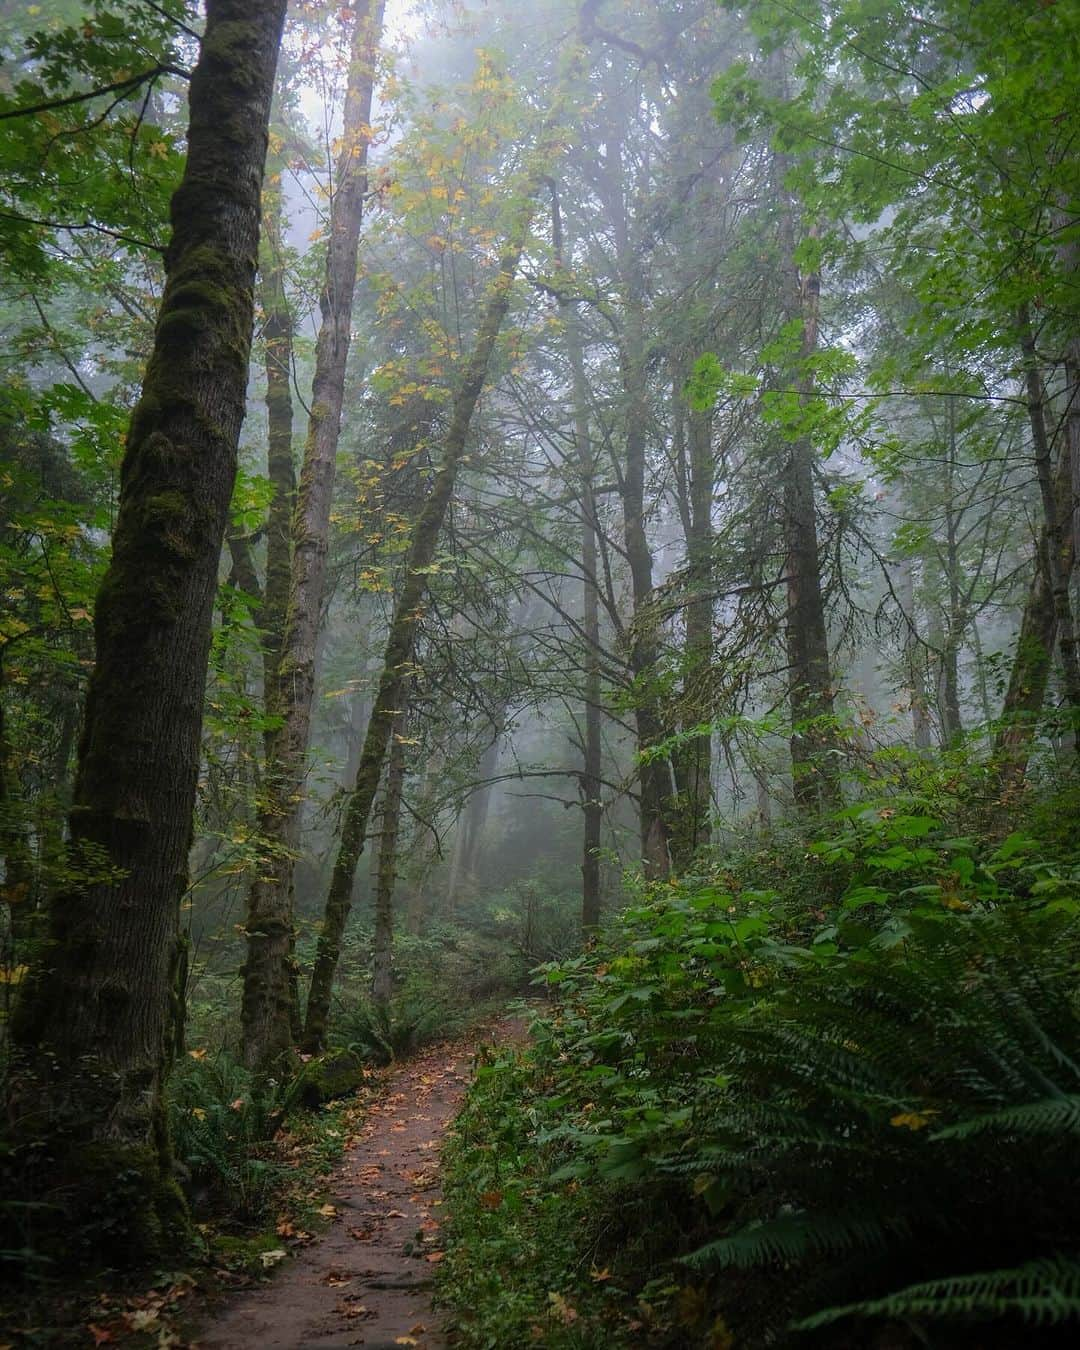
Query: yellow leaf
pixel 198 1113
pixel 328 1211
pixel 13 974
pixel 198 1054
pixel 912 1120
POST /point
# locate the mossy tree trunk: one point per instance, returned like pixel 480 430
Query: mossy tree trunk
pixel 1033 662
pixel 810 688
pixel 278 328
pixel 382 978
pixel 1057 516
pixel 268 983
pixel 97 1024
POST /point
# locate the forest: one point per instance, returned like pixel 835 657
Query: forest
pixel 539 674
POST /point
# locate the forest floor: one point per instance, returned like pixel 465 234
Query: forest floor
pixel 368 1280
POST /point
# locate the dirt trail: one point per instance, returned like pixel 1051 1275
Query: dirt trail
pixel 368 1281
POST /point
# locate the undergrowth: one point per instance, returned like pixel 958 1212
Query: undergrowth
pixel 843 1111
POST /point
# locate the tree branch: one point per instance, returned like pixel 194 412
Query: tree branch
pixel 129 85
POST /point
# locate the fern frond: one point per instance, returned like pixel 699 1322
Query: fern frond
pixel 1041 1292
pixel 1054 1115
pixel 795 1237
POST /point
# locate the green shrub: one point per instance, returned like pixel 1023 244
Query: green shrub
pixel 222 1122
pixel 415 1016
pixel 825 1112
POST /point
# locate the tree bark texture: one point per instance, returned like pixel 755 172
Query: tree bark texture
pixel 810 677
pixel 1057 515
pixel 278 361
pixel 98 1021
pixel 914 661
pixel 382 977
pixel 1033 663
pixel 267 995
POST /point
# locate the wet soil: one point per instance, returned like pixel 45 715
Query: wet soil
pixel 368 1281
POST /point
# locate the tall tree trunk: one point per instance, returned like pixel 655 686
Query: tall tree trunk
pixel 914 664
pixel 382 978
pixel 470 828
pixel 267 998
pixel 810 679
pixel 97 1024
pixel 952 724
pixel 693 761
pixel 1034 659
pixel 592 690
pixel 1057 514
pixel 18 888
pixel 655 787
pixel 654 776
pixel 409 602
pixel 281 469
pixel 399 648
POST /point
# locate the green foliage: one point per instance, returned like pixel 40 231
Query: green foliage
pixel 859 1090
pixel 98 162
pixel 382 1033
pixel 222 1123
pixel 507 1276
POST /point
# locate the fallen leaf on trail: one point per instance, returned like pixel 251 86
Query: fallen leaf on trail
pixel 335 1279
pixel 406 1340
pixel 417 1330
pixel 101 1335
pixel 434 1257
pixel 396 1214
pixel 270 1259
pixel 361 1234
pixel 349 1308
pixel 327 1211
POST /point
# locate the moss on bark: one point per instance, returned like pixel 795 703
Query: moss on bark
pixel 326 1078
pixel 95 1030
